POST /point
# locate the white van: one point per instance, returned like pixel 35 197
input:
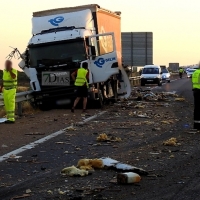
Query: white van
pixel 151 74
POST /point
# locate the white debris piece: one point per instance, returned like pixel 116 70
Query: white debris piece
pixel 109 162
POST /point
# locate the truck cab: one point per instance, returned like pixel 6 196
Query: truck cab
pixel 62 40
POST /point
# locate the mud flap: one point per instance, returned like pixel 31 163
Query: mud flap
pixel 125 85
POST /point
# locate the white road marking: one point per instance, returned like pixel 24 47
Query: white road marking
pixel 42 140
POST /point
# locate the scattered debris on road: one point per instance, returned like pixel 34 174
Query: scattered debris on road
pixel 171 142
pixel 179 99
pixel 90 164
pixel 21 197
pixel 73 171
pixel 111 163
pixel 128 178
pixel 28 191
pixel 104 138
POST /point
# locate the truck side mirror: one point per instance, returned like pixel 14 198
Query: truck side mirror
pixel 93 51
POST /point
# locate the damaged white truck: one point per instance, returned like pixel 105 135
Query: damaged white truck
pixel 65 38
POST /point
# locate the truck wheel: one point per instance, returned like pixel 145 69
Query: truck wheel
pixel 169 81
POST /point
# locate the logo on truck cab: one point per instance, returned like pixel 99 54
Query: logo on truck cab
pixel 101 61
pixel 56 21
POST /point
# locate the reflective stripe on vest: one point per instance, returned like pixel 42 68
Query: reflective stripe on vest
pixel 8 81
pixel 196 79
pixel 81 77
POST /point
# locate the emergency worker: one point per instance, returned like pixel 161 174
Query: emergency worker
pixel 8 87
pixel 181 72
pixel 196 93
pixel 81 78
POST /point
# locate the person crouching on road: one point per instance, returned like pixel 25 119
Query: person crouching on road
pixel 81 82
pixel 8 87
pixel 196 93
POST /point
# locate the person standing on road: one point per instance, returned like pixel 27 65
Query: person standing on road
pixel 196 93
pixel 81 82
pixel 8 87
pixel 181 72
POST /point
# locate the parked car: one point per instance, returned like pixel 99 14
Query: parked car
pixel 151 74
pixel 165 75
pixel 190 72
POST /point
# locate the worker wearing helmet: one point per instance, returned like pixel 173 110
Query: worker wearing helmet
pixel 8 88
pixel 196 93
pixel 81 82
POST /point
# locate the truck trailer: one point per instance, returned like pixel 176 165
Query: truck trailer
pixel 63 39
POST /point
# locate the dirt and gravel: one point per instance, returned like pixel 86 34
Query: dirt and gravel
pixel 143 127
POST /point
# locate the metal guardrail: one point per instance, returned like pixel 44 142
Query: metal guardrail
pixel 20 97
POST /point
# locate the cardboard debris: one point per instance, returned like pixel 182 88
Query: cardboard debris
pixel 143 116
pixel 71 128
pixel 28 191
pixel 61 192
pixel 14 156
pixel 104 138
pixel 139 106
pixel 50 192
pixel 73 171
pixel 166 122
pixel 171 142
pixel 179 99
pixel 90 164
pixel 109 162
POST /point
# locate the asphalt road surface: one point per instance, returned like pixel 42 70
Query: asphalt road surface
pixel 174 171
pixel 182 86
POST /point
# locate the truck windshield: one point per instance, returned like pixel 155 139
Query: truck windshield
pixel 74 51
pixel 150 71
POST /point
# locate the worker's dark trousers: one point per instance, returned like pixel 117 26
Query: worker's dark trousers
pixel 196 93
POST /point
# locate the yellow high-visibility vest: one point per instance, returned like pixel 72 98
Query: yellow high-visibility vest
pixel 196 79
pixel 81 77
pixel 181 70
pixel 8 81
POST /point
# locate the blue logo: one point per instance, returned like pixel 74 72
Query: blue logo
pixel 101 61
pixel 56 21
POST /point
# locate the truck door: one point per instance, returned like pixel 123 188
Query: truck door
pixel 103 61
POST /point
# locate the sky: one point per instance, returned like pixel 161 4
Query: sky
pixel 174 23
